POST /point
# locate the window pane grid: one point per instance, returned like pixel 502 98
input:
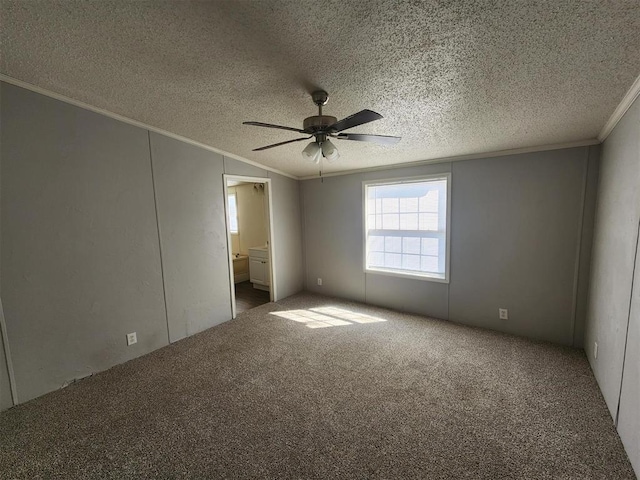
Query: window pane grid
pixel 406 227
pixel 407 253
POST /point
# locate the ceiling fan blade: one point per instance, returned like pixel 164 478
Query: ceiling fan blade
pixel 281 143
pixel 360 118
pixel 269 125
pixel 362 137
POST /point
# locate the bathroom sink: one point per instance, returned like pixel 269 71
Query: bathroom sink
pixel 258 252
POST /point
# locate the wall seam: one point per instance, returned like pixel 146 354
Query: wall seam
pixel 155 205
pixel 3 327
pixel 7 354
pixel 450 227
pixel 303 228
pixel 576 277
pixel 626 337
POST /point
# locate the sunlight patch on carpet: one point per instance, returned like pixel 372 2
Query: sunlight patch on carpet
pixel 323 317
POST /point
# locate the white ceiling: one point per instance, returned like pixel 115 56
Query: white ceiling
pixel 451 78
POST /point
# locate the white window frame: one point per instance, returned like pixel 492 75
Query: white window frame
pixel 235 196
pixel 394 181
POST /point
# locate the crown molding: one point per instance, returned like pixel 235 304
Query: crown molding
pixel 622 108
pixel 136 123
pixel 474 156
pixel 631 95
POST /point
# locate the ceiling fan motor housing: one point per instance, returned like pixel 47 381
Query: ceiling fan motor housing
pixel 318 123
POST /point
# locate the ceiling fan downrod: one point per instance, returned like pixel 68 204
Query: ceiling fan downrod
pixel 318 125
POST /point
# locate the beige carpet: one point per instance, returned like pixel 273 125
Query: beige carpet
pixel 314 387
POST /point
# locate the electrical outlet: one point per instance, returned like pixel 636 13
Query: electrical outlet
pixel 319 281
pixel 503 313
pixel 595 350
pixel 131 338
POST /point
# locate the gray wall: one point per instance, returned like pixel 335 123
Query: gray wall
pixel 614 300
pixel 516 242
pixel 287 235
pixel 6 400
pixel 588 226
pixel 90 221
pixel 80 256
pixel 287 226
pixel 516 227
pixel 333 245
pixel 193 236
pixel 629 414
pixel 236 167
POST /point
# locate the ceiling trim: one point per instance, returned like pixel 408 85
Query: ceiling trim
pixel 473 156
pixel 622 108
pixel 628 99
pixel 115 116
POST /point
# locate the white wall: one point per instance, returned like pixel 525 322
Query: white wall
pixel 87 202
pixel 516 242
pixel 614 299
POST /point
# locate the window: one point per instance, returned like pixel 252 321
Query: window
pixel 406 231
pixel 233 213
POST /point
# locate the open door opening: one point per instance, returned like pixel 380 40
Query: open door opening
pixel 250 241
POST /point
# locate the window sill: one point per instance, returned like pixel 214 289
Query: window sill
pixel 413 276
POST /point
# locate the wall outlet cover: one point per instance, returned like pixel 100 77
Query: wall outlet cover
pixel 319 281
pixel 595 350
pixel 131 338
pixel 503 313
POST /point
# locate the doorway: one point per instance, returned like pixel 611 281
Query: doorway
pixel 248 211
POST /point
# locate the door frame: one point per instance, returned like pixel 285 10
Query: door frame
pixel 270 235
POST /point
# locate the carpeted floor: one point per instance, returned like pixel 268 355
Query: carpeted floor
pixel 313 387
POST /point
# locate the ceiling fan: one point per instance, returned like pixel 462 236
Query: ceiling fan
pixel 324 127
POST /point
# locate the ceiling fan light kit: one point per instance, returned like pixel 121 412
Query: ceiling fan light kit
pixel 324 127
pixel 329 151
pixel 312 153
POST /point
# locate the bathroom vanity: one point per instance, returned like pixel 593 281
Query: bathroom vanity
pixel 240 268
pixel 259 268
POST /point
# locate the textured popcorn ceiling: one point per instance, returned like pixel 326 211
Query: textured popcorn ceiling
pixel 451 78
